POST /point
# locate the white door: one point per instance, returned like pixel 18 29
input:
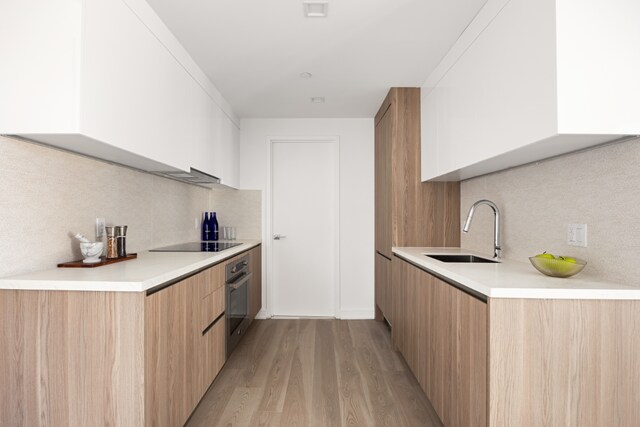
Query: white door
pixel 304 206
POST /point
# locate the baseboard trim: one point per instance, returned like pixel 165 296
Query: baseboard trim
pixel 357 314
pixel 344 314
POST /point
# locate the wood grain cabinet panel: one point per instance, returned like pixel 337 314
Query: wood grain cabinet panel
pixel 67 357
pixel 383 181
pixel 123 358
pixel 213 278
pixel 518 362
pixel 170 354
pixel 184 350
pixel 398 300
pixel 468 392
pixel 564 362
pixel 215 354
pixel 441 332
pixel 407 211
pixel 383 283
pixel 255 285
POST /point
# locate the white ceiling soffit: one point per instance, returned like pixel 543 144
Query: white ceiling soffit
pixel 254 51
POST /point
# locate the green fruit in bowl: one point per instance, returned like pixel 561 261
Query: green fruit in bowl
pixel 545 255
pixel 562 266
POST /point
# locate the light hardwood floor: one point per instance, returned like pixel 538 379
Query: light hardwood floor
pixel 315 373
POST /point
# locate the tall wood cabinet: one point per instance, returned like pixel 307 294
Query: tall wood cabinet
pixel 407 212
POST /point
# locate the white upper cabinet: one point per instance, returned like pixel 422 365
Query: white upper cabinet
pixel 108 79
pixel 530 80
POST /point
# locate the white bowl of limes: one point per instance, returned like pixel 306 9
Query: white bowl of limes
pixel 557 266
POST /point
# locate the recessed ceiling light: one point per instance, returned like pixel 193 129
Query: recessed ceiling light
pixel 315 9
pixel 306 75
pixel 318 99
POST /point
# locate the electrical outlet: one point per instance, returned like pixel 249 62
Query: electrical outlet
pixel 99 227
pixel 577 235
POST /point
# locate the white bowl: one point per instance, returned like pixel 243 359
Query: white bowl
pixel 91 251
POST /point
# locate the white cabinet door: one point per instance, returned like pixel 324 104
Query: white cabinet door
pixel 523 89
pixel 229 152
pixel 598 66
pixel 135 95
pixel 40 51
pixel 501 91
pixel 90 76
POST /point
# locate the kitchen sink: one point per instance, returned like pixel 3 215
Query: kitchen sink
pixel 461 258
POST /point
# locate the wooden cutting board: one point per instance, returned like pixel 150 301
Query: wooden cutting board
pixel 104 261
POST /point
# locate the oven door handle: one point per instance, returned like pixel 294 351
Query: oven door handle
pixel 238 283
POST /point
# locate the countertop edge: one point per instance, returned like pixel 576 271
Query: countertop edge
pixel 22 282
pixel 596 290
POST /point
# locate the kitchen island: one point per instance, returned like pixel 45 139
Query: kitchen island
pixel 500 344
pixel 128 344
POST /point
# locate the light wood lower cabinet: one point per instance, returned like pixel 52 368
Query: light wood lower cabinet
pixel 169 354
pixel 184 345
pixel 71 358
pixel 382 291
pixel 517 362
pixel 441 332
pixel 564 362
pixel 255 284
pixel 110 358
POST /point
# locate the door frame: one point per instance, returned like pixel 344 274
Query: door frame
pixel 269 215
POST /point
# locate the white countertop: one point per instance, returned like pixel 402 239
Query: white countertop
pixel 514 279
pixel 150 269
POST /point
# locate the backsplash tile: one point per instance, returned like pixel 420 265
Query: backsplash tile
pixel 47 193
pixel 241 209
pixel 597 187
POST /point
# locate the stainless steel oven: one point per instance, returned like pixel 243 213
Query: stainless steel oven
pixel 237 275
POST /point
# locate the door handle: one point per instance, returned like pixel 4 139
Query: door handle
pixel 278 236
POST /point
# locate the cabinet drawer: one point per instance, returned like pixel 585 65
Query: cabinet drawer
pixel 213 280
pixel 212 306
pixel 214 353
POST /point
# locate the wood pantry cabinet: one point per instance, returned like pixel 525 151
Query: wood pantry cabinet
pixel 407 212
pixel 517 362
pixel 123 358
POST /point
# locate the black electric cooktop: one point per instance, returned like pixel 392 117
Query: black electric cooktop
pixel 197 247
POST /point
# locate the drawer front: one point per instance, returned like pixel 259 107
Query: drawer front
pixel 212 306
pixel 215 352
pixel 213 279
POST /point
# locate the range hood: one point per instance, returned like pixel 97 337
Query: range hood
pixel 194 176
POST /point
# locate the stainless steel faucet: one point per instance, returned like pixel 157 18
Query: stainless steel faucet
pixel 497 246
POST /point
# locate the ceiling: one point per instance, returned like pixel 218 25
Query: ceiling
pixel 255 50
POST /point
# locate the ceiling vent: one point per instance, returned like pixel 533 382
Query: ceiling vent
pixel 315 9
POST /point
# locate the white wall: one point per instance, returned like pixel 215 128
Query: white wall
pixel 356 195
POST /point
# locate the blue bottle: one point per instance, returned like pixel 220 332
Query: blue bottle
pixel 214 226
pixel 206 227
